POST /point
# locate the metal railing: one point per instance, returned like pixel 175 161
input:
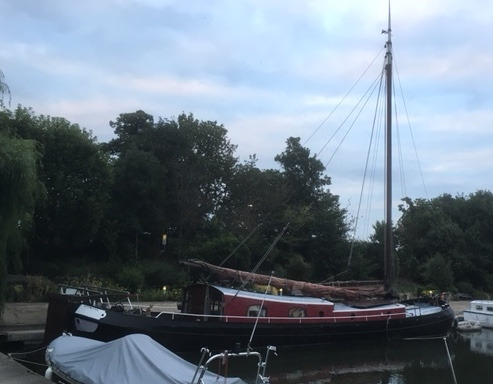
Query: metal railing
pixel 224 356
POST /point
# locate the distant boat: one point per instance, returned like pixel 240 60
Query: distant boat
pixel 219 317
pixel 132 359
pixel 480 311
pixel 468 326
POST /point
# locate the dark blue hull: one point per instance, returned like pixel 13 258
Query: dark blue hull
pixel 180 333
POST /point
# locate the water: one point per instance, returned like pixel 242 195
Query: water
pixel 404 362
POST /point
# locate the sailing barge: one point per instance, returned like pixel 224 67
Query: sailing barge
pixel 219 317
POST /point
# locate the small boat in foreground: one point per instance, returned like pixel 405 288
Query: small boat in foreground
pixel 480 311
pixel 133 359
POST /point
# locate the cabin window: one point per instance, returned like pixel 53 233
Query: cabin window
pixel 479 307
pixel 253 311
pixel 215 307
pixel 297 312
pixel 489 309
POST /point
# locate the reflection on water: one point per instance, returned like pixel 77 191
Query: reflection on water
pixel 358 363
pixel 480 342
pixel 404 362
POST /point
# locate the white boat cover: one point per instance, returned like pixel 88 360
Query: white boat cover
pixel 132 359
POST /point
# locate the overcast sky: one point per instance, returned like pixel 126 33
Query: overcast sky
pixel 267 70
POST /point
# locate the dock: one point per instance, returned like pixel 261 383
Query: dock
pixel 23 322
pixel 12 372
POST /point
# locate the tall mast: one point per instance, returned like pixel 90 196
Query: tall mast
pixel 388 245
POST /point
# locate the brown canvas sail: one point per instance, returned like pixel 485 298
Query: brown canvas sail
pixel 343 290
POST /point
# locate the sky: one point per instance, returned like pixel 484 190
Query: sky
pixel 269 70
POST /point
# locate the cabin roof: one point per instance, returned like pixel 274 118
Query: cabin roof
pixel 302 300
pixel 482 302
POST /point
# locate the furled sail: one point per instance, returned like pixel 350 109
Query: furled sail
pixel 353 290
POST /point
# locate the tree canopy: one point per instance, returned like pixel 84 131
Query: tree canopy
pixel 167 189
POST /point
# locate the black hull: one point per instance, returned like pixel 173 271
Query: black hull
pixel 185 335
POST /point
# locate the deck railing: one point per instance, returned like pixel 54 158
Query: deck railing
pixel 278 319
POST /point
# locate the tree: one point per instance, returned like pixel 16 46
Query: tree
pixel 138 199
pixel 437 272
pixel 303 174
pixel 131 130
pixel 254 197
pixel 189 163
pixel 4 89
pixel 76 175
pixel 200 164
pixel 318 229
pixel 455 228
pixel 19 190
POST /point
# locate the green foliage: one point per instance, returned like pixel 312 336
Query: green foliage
pixel 75 174
pixel 160 273
pixel 216 249
pixel 19 190
pixel 28 288
pixel 132 278
pixel 108 205
pixel 448 240
pixel 4 89
pixel 298 269
pixel 437 272
pixel 171 294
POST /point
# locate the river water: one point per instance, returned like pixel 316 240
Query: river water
pixel 465 358
pixel 461 358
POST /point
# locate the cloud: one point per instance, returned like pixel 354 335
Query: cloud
pixel 267 71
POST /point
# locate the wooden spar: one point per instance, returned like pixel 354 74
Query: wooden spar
pixel 227 275
pixel 388 243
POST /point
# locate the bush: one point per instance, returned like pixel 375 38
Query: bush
pixel 158 274
pixel 27 288
pixel 131 278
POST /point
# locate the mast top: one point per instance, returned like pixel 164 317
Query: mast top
pixel 388 32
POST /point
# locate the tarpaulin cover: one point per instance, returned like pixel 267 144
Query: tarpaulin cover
pixel 134 359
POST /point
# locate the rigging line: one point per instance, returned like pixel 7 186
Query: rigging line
pixel 254 270
pixel 370 145
pixel 402 175
pixel 450 360
pixel 276 240
pixel 344 98
pixel 347 94
pixel 249 348
pixel 241 243
pixel 379 124
pixel 367 94
pixel 410 130
pixel 236 249
pixel 375 134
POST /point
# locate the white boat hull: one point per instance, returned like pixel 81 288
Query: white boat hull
pixel 481 311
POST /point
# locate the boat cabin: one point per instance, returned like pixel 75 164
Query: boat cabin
pixel 482 306
pixel 215 303
pixel 480 311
